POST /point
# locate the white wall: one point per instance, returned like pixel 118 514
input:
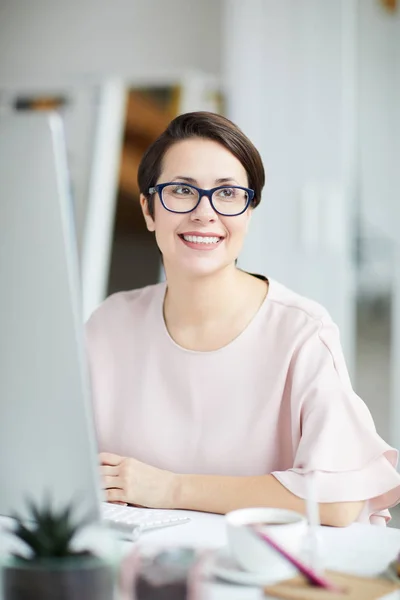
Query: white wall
pixel 54 40
pixel 379 164
pixel 291 87
pixel 379 118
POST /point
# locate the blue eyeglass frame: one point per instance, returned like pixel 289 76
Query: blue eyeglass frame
pixel 209 193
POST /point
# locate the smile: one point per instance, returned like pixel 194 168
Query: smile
pixel 197 239
pixel 201 241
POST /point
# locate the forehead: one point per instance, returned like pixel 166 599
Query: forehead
pixel 202 159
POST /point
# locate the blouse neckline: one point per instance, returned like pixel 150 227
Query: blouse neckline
pixel 242 335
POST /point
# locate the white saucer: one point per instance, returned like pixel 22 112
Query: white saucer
pixel 224 566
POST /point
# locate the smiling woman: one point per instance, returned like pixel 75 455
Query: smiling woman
pixel 207 186
pixel 219 389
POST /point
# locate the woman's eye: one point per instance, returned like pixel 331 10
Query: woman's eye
pixel 182 190
pixel 227 193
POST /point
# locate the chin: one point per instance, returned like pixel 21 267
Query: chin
pixel 204 268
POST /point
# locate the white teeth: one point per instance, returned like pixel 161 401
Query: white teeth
pixel 196 239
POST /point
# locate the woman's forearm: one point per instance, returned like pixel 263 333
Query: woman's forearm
pixel 221 494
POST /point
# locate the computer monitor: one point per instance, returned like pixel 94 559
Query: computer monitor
pixel 47 437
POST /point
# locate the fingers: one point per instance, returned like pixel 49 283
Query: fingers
pixel 112 482
pixel 116 495
pixel 109 471
pixel 107 458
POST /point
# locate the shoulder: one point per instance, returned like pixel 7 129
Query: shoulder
pixel 299 319
pixel 294 307
pixel 310 330
pixel 125 307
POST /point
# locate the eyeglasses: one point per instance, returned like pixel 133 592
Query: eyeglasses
pixel 228 201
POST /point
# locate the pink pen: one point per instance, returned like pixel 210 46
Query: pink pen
pixel 312 576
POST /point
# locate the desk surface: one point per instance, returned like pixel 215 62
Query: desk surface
pixel 359 549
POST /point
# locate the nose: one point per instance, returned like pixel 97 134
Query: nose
pixel 204 212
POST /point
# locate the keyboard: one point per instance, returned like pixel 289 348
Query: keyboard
pixel 132 521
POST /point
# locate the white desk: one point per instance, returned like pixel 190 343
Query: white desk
pixel 359 549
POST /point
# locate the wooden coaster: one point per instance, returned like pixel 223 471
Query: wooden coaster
pixel 354 588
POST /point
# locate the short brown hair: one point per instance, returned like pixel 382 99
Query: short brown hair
pixel 205 125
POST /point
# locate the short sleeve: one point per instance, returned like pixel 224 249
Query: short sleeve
pixel 337 439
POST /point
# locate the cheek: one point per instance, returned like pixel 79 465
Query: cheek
pixel 165 223
pixel 238 226
pixel 161 218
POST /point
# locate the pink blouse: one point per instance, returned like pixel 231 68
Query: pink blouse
pixel 277 399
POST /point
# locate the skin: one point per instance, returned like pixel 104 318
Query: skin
pixel 208 303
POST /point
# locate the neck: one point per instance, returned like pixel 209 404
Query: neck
pixel 200 299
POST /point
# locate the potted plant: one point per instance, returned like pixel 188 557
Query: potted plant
pixel 53 568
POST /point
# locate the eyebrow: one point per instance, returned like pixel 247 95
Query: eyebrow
pixel 194 181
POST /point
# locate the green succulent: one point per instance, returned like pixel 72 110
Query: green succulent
pixel 50 535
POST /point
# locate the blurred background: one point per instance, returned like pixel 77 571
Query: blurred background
pixel 314 83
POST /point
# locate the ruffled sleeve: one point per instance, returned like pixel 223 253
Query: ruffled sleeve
pixel 337 438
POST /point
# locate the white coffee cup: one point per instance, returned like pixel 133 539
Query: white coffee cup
pixel 287 527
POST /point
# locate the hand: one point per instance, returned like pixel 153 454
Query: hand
pixel 127 480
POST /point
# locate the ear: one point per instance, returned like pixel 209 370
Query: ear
pixel 147 216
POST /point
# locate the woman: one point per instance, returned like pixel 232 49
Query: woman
pixel 220 389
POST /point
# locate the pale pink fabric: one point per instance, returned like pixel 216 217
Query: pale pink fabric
pixel 278 399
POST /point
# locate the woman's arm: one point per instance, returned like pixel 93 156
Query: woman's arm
pixel 221 494
pixel 129 480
